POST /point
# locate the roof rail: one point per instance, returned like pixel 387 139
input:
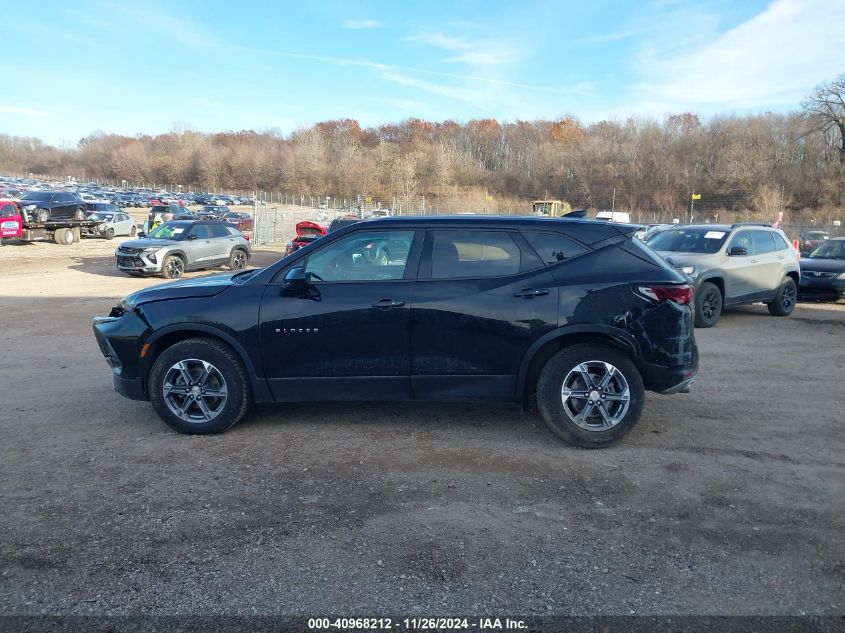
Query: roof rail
pixel 736 224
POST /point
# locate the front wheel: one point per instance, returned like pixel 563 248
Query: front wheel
pixel 784 301
pixel 172 267
pixel 708 305
pixel 199 386
pixel 237 260
pixel 132 231
pixel 590 395
pixel 109 234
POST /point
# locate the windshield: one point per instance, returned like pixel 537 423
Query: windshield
pixel 688 240
pixel 101 217
pixel 816 235
pixel 168 231
pixel 833 249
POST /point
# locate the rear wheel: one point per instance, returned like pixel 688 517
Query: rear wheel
pixel 65 237
pixel 237 260
pixel 590 395
pixel 784 301
pixel 708 305
pixel 199 386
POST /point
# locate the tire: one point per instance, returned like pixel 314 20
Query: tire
pixel 784 302
pixel 383 258
pixel 79 215
pixel 65 237
pixel 172 267
pixel 109 234
pixel 132 231
pixel 238 259
pixel 560 414
pixel 225 378
pixel 42 215
pixel 708 305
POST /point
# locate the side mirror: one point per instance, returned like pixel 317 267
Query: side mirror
pixel 737 250
pixel 295 277
pixel 141 234
pixel 191 237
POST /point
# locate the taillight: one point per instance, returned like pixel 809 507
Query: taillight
pixel 679 294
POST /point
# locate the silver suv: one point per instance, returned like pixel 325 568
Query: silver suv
pixel 733 264
pixel 175 247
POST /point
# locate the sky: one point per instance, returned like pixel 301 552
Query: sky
pixel 76 67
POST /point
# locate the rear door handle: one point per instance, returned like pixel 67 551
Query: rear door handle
pixel 527 293
pixel 753 261
pixel 386 304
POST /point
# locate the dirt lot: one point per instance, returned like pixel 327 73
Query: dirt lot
pixel 730 500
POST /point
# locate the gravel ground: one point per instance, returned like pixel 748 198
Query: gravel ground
pixel 729 500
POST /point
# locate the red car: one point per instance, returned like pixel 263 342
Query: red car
pixel 11 222
pixel 306 232
pixel 238 219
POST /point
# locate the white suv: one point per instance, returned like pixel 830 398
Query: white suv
pixel 733 264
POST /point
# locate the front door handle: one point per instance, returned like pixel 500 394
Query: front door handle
pixel 528 293
pixel 753 261
pixel 386 304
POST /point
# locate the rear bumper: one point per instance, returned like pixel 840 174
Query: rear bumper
pixel 668 379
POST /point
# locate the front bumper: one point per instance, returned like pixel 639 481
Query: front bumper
pixel 120 339
pixel 822 287
pixel 149 263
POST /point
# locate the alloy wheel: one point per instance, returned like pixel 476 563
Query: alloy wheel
pixel 709 305
pixel 789 295
pixel 595 395
pixel 194 390
pixel 175 268
pixel 239 260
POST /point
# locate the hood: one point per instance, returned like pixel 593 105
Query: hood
pixel 822 265
pixel 182 289
pixel 143 242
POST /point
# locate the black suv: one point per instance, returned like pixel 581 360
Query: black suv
pixel 492 308
pixel 46 206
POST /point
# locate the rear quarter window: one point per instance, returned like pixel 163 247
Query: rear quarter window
pixel 553 247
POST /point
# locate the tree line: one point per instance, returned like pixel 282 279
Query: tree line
pixel 763 162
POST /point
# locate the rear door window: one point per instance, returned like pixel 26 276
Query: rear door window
pixel 201 231
pixel 763 242
pixel 472 254
pixel 218 230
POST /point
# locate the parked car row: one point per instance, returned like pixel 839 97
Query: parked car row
pixel 91 192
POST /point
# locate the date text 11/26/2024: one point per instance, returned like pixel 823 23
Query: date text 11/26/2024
pixel 418 624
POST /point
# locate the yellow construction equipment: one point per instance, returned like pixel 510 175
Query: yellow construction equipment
pixel 550 208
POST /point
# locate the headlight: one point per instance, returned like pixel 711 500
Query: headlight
pixel 30 207
pixel 688 270
pixel 150 250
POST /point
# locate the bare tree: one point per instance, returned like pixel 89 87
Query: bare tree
pixel 825 109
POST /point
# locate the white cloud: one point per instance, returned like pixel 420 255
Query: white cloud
pixel 770 60
pixel 29 112
pixel 480 53
pixel 362 24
